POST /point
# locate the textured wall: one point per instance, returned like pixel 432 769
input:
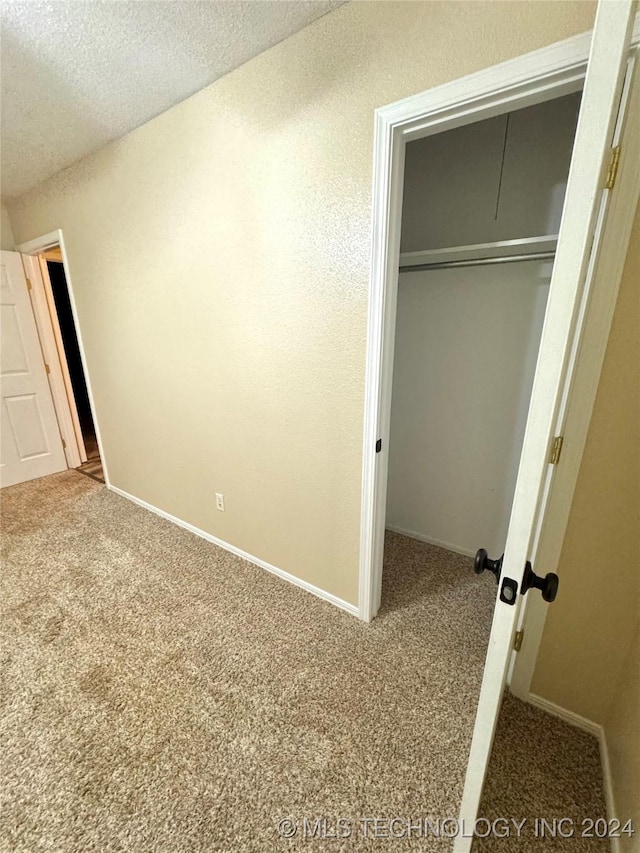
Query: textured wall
pixel 622 727
pixel 589 659
pixel 590 627
pixel 220 259
pixel 7 243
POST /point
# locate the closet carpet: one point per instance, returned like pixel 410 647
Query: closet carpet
pixel 159 694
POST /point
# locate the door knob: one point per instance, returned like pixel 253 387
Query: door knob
pixel 548 585
pixel 483 563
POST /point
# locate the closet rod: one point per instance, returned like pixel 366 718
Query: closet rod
pixel 477 262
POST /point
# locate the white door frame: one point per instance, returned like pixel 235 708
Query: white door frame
pixel 35 247
pixel 32 447
pixel 46 317
pixel 544 74
pixel 577 407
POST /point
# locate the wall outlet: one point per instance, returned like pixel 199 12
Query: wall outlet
pixel 219 502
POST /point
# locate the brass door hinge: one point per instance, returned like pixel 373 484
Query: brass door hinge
pixel 47 368
pixel 612 171
pixel 517 640
pixel 28 284
pixel 64 444
pixel 556 450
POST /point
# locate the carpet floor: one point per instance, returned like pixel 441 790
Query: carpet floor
pixel 160 694
pixel 542 767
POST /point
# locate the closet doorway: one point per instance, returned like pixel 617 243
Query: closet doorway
pixel 593 235
pixel 481 212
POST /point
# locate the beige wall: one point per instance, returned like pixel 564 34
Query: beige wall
pixel 220 259
pixel 7 243
pixel 589 660
pixel 590 626
pixel 622 727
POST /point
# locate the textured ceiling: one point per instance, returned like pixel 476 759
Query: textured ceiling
pixel 76 75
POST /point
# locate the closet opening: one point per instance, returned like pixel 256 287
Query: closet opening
pixel 481 212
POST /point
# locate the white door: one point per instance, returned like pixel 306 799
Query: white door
pixel 30 443
pixel 578 243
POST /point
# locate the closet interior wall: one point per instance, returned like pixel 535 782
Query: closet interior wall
pixel 467 338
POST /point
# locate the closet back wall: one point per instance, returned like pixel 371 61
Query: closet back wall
pixel 220 258
pixel 467 338
pixel 465 356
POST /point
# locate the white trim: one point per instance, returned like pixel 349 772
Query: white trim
pixel 431 541
pixel 535 77
pixel 598 731
pixel 579 241
pixel 69 396
pixel 598 60
pixel 40 244
pixel 33 247
pixel 528 79
pixel 607 780
pixel 575 416
pixel 274 570
pixel 563 714
pixel 49 344
pixel 19 464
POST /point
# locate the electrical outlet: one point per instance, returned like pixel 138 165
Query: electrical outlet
pixel 219 502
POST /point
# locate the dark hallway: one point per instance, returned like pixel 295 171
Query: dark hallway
pixel 92 466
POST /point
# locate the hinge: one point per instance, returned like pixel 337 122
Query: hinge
pixel 517 640
pixel 47 368
pixel 556 450
pixel 378 445
pixel 612 171
pixel 64 444
pixel 28 284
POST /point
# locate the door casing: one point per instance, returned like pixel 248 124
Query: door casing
pixel 46 319
pixel 548 73
pixel 32 445
pixel 36 247
pixel 577 407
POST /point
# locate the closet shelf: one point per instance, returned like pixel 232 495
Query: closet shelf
pixel 478 254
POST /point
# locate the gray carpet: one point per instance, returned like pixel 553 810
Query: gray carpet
pixel 159 694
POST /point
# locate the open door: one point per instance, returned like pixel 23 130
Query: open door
pixel 52 344
pixel 578 244
pixel 31 442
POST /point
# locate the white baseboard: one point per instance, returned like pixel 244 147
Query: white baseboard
pixel 314 590
pixel 563 714
pixel 594 729
pixel 430 540
pixel 608 785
